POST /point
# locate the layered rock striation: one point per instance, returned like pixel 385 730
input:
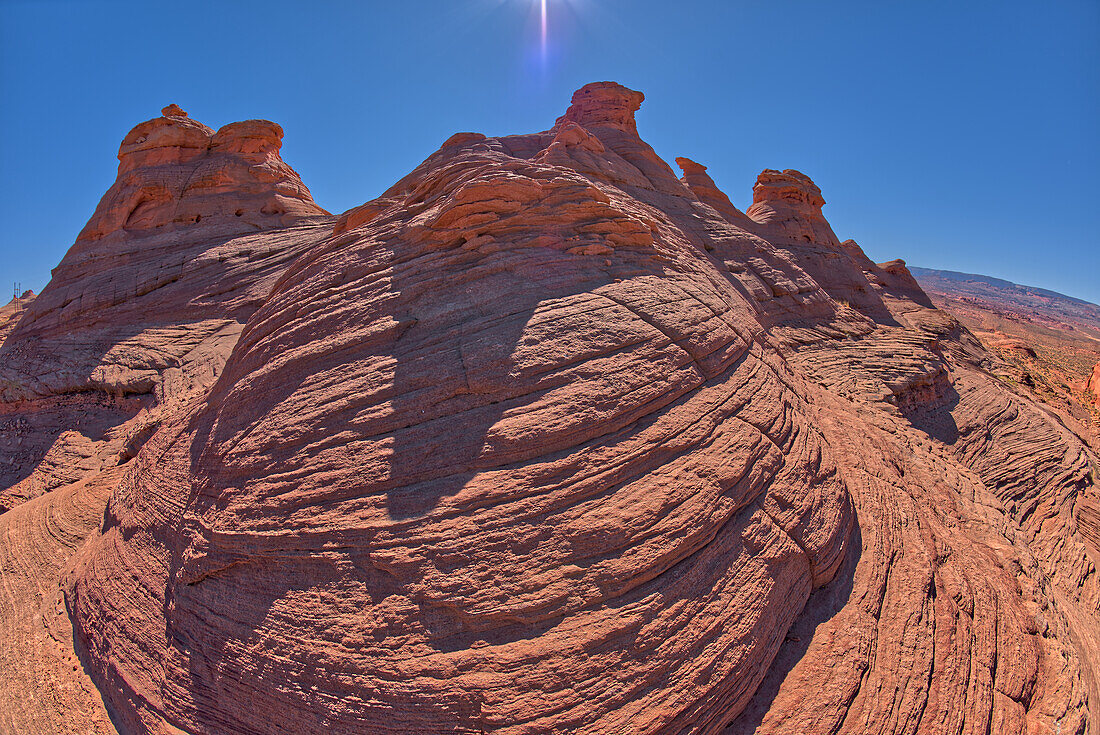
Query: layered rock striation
pixel 516 404
pixel 547 439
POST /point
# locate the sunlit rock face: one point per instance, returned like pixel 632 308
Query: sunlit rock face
pixel 12 312
pixel 175 171
pixel 546 439
pixel 1094 384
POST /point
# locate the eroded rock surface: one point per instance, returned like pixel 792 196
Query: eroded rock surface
pixel 1046 345
pixel 174 171
pixel 546 439
pixel 11 312
pixel 1094 384
pixel 46 688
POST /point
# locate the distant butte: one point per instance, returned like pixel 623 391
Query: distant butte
pixel 545 438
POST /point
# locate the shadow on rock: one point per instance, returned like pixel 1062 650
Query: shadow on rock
pixel 936 420
pixel 823 604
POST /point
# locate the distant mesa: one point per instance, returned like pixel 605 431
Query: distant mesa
pixel 1046 342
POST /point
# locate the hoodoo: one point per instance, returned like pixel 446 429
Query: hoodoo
pixel 175 171
pixel 147 304
pixel 546 439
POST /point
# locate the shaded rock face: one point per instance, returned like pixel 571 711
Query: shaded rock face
pixel 546 439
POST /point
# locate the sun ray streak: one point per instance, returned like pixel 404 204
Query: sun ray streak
pixel 544 30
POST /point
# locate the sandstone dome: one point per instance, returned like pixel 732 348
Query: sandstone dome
pixel 548 439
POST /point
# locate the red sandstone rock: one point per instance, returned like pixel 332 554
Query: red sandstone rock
pixel 12 312
pixel 787 211
pixel 46 689
pixel 170 264
pixel 1094 383
pixel 604 104
pixel 545 439
pixel 174 171
pixel 702 185
pixel 151 298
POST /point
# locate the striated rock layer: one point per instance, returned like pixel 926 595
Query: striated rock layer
pixel 1045 344
pixel 546 439
pixel 46 689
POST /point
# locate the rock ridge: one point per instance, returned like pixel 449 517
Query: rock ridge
pixel 146 305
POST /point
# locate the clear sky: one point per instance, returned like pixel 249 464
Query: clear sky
pixel 956 135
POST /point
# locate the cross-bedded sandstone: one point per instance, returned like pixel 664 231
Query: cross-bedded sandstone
pixel 546 439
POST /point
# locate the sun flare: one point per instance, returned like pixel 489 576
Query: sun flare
pixel 543 28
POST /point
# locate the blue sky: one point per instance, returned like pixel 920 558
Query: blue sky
pixel 963 136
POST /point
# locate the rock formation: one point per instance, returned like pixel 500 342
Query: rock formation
pixel 546 439
pixel 11 312
pixel 1094 384
pixel 148 303
pixel 176 171
pixel 170 249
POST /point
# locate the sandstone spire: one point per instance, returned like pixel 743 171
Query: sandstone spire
pixel 604 104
